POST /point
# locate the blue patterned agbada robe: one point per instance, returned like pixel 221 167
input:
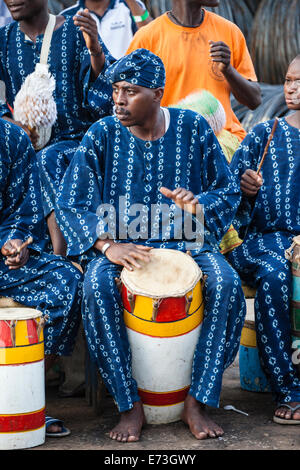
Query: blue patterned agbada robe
pixel 79 101
pixel 111 162
pixel 268 223
pixel 46 282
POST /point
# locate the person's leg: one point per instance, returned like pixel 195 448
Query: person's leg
pixel 51 285
pixel 273 329
pixel 264 260
pixel 58 241
pixel 218 344
pixel 53 162
pixel 108 344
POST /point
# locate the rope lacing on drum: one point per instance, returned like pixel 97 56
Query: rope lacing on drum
pixel 289 252
pixel 40 324
pixel 12 326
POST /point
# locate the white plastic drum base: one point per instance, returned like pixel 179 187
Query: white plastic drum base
pixel 160 366
pixel 22 440
pixel 22 391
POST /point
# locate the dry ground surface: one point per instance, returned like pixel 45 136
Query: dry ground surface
pixel 254 432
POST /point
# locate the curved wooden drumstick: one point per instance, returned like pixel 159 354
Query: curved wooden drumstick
pixel 267 145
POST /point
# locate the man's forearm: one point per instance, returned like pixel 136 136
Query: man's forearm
pixel 99 244
pixel 245 91
pixel 97 62
pixel 138 11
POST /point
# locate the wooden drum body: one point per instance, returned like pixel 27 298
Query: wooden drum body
pixel 22 379
pixel 163 312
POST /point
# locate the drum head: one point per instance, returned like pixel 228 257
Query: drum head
pixel 170 273
pixel 11 313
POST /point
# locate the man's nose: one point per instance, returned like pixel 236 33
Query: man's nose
pixel 292 86
pixel 120 98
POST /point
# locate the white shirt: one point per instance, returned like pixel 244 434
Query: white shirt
pixel 115 27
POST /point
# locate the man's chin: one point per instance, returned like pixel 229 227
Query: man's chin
pixel 125 120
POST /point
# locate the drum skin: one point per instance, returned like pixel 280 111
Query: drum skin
pixel 162 351
pixel 22 379
pixel 252 377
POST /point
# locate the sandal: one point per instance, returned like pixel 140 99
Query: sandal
pixel 64 431
pixel 279 420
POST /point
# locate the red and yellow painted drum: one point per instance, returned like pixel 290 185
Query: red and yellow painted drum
pixel 22 378
pixel 163 313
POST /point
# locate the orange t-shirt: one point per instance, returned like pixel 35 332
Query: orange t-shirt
pixel 189 68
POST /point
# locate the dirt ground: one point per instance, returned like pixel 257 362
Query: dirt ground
pixel 254 432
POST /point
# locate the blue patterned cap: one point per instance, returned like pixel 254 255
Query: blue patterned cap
pixel 141 67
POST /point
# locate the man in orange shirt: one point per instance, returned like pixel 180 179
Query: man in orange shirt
pixel 202 50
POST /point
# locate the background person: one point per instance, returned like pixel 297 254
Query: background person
pixel 33 277
pixel 202 51
pixel 268 219
pixel 117 21
pixel 81 93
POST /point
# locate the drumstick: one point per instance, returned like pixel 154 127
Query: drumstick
pixel 20 248
pixel 267 146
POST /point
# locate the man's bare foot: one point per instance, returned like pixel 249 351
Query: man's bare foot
pixel 130 425
pixel 201 426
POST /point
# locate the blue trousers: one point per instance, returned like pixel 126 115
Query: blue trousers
pixel 218 341
pixel 260 261
pixel 53 162
pixel 52 285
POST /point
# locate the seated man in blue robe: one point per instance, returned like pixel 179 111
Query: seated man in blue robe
pixel 151 155
pixel 268 219
pixel 33 277
pixel 82 95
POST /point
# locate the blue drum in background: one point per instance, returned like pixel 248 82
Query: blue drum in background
pixel 295 304
pixel 252 377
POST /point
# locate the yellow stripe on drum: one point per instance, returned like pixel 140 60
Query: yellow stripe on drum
pixel 164 330
pixel 248 336
pixel 21 354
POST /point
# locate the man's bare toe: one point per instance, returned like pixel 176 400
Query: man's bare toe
pixel 130 425
pixel 201 426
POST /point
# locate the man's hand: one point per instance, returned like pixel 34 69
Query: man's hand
pixel 251 183
pixel 14 259
pixel 220 53
pixel 88 26
pixel 182 197
pixel 125 254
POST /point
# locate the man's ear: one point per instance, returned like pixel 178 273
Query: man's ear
pixel 158 94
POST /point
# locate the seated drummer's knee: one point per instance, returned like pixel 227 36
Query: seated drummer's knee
pixel 100 283
pixel 226 283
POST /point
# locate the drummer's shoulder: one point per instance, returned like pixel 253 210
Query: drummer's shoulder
pixel 260 131
pixel 6 31
pixel 104 125
pixel 14 142
pixel 12 134
pixel 185 116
